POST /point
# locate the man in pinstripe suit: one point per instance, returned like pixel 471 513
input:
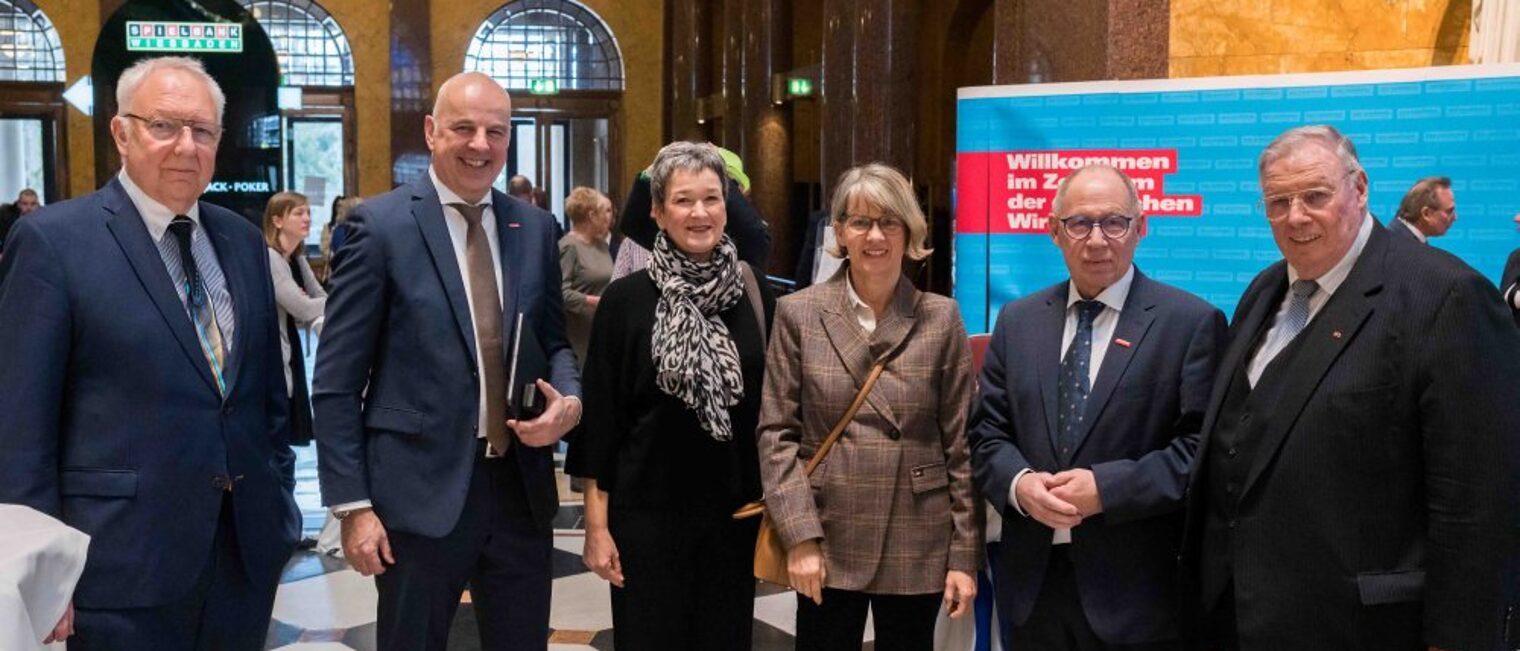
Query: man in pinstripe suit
pixel 1356 486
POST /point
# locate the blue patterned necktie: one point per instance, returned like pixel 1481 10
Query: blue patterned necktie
pixel 198 300
pixel 1297 316
pixel 1074 385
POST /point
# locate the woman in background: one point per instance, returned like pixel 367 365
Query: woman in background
pixel 585 264
pixel 299 299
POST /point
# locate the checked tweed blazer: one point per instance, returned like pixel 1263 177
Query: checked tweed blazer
pixel 893 502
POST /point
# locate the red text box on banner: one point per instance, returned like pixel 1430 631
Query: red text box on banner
pixel 1011 192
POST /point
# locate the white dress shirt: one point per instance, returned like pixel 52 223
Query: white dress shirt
pixel 1418 235
pixel 1104 324
pixel 1277 338
pixel 863 313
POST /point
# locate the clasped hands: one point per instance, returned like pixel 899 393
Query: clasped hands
pixel 1060 500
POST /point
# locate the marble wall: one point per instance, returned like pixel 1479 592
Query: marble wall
pixel 1240 37
pixel 78 24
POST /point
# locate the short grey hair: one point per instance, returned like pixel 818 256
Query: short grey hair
pixel 1325 135
pixel 134 77
pixel 884 187
pixel 689 156
pixel 1129 188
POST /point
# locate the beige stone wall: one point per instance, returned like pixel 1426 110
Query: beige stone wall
pixel 368 29
pixel 78 23
pixel 1239 37
pixel 639 28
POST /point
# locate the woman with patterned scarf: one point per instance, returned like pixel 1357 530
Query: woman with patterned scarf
pixel 672 395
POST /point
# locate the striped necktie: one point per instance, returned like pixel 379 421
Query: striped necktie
pixel 198 300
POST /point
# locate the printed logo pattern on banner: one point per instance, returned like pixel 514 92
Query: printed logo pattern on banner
pixel 1193 156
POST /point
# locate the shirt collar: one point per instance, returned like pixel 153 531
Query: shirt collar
pixel 154 214
pixel 447 196
pixel 855 300
pixel 1418 235
pixel 1112 296
pixel 1337 274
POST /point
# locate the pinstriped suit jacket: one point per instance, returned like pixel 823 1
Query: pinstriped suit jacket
pixel 893 502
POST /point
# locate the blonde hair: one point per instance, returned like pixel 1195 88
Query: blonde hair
pixel 581 204
pixel 280 205
pixel 886 188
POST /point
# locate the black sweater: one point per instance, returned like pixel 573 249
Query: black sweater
pixel 645 447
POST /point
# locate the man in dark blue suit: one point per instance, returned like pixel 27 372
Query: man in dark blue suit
pixel 142 385
pixel 1091 396
pixel 433 483
pixel 1358 480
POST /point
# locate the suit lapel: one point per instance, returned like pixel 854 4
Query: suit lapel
pixel 1134 322
pixel 127 226
pixel 238 275
pixel 857 350
pixel 1319 345
pixel 1047 331
pixel 428 212
pixel 509 240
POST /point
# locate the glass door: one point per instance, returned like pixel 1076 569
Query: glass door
pixel 23 157
pixel 314 166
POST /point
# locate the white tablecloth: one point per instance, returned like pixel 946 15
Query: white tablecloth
pixel 40 561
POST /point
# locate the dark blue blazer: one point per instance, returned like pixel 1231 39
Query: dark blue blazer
pixel 395 392
pixel 1400 229
pixel 112 418
pixel 1142 421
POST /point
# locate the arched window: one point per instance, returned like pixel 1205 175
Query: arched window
pixel 311 46
pixel 29 46
pixel 559 40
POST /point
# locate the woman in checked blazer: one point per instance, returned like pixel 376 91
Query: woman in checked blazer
pixel 889 519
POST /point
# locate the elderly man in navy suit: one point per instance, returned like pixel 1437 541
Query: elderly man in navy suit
pixel 1092 393
pixel 142 385
pixel 433 483
pixel 1358 480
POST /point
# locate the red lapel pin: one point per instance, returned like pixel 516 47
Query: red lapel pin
pixel 1122 342
pixel 1336 334
pixel 513 225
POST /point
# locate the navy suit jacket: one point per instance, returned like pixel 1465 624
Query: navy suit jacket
pixel 395 393
pixel 1383 497
pixel 1400 229
pixel 113 422
pixel 1142 419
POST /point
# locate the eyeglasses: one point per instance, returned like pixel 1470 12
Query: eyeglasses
pixel 1277 207
pixel 861 225
pixel 167 129
pixel 1081 228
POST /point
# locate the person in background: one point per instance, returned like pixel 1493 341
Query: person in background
pixel 890 520
pixel 585 266
pixel 1427 210
pixel 1509 283
pixel 520 188
pixel 672 381
pixel 299 299
pixel 26 203
pixel 336 232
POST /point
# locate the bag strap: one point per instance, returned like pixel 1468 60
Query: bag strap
pixel 849 415
pixel 752 291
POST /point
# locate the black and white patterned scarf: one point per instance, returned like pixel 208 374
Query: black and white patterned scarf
pixel 694 356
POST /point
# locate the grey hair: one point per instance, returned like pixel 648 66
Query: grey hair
pixel 1324 134
pixel 133 78
pixel 1129 188
pixel 884 187
pixel 688 156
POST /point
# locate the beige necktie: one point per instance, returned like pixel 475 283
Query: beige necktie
pixel 487 318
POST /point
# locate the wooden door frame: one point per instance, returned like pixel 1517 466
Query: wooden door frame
pixel 43 100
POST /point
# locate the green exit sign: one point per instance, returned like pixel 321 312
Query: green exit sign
pixel 543 86
pixel 799 87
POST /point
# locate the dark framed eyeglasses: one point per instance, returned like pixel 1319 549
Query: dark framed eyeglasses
pixel 889 225
pixel 166 129
pixel 1081 228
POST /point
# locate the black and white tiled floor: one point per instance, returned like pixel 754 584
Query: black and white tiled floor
pixel 322 605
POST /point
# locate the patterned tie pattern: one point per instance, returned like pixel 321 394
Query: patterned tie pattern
pixel 487 317
pixel 198 300
pixel 1297 316
pixel 1074 385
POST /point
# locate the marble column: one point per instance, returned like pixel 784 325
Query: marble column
pixel 732 135
pixel 767 150
pixel 411 88
pixel 690 68
pixel 869 92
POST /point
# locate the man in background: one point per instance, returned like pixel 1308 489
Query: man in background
pixel 1428 210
